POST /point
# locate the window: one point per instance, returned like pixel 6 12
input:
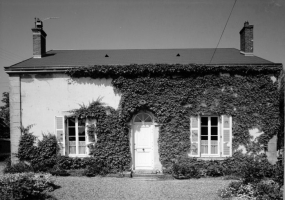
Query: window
pixel 211 136
pixel 72 136
pixel 76 136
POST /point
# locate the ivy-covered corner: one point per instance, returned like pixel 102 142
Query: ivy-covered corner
pixel 250 94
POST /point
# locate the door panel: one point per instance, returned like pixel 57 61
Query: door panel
pixel 143 135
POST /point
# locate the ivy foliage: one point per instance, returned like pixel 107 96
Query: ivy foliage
pixel 173 93
pixel 112 145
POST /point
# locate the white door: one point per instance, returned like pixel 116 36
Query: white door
pixel 143 144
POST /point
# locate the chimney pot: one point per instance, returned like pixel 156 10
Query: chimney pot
pixel 246 39
pixel 39 39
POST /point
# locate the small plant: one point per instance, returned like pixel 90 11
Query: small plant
pixel 17 168
pixel 185 168
pixel 57 171
pixel 96 167
pixel 225 193
pixel 25 186
pixel 268 190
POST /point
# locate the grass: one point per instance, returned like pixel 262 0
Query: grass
pixel 111 188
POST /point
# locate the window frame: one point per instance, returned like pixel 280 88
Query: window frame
pixel 86 154
pixel 209 154
pixel 225 126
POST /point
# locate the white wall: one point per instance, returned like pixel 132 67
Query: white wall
pixel 45 96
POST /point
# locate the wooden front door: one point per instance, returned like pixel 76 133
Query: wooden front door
pixel 143 142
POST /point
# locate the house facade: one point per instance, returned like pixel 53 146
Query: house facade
pixel 167 102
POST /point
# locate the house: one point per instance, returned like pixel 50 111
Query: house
pixel 169 102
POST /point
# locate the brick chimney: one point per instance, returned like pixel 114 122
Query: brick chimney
pixel 39 39
pixel 246 39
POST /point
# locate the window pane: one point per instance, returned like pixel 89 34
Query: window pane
pixel 214 147
pixel 71 122
pixel 81 131
pixel 82 147
pixel 81 122
pixel 139 118
pixel 71 131
pixel 81 138
pixel 204 130
pixel 71 139
pixel 204 146
pixel 214 121
pixel 72 150
pixel 204 121
pixel 214 130
pixel 147 118
pixel 204 137
pixel 81 150
pixel 214 137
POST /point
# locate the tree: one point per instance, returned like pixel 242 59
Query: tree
pixel 5 117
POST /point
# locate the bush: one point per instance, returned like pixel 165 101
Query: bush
pixel 76 172
pixel 17 168
pixel 25 186
pixel 213 168
pixel 57 171
pixel 95 167
pixel 64 162
pixel 185 168
pixel 268 190
pixel 43 156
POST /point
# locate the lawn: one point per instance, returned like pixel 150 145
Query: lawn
pixel 126 188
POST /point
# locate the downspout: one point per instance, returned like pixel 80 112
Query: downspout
pixel 20 80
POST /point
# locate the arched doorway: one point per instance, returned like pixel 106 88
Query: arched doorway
pixel 143 141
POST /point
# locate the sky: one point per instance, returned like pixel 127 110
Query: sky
pixel 139 24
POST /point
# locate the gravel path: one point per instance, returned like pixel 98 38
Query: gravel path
pixel 107 188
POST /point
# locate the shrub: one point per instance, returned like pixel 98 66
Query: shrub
pixel 27 150
pixel 268 190
pixel 76 172
pixel 95 167
pixel 57 171
pixel 213 168
pixel 25 186
pixel 43 156
pixel 185 168
pixel 225 193
pixel 17 168
pixel 64 162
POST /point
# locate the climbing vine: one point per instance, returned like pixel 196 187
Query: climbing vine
pixel 173 93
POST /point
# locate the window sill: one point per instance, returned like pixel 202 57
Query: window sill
pixel 211 158
pixel 78 155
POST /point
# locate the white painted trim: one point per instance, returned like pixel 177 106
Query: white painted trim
pixel 77 140
pixel 246 54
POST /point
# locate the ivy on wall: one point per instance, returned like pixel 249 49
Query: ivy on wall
pixel 112 143
pixel 173 93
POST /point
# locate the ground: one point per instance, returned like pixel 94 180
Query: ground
pixel 110 188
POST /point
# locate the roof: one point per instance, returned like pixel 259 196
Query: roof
pixel 66 58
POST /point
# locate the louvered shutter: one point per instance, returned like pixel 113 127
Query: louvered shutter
pixel 60 133
pixel 194 136
pixel 226 136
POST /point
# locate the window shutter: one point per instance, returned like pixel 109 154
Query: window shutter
pixel 60 133
pixel 226 136
pixel 194 136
